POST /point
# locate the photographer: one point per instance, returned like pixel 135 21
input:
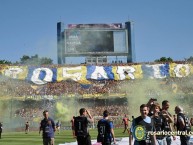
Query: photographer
pixel 81 127
pixel 167 120
pixel 150 106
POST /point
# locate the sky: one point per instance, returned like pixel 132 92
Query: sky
pixel 162 28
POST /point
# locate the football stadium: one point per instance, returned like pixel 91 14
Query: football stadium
pixel 105 78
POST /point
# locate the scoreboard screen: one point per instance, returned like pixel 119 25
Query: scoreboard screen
pixel 83 41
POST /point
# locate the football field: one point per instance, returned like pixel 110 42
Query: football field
pixel 33 138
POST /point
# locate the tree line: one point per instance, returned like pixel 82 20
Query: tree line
pixel 30 60
pixel 36 60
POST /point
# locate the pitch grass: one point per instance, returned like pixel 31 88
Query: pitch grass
pixel 33 138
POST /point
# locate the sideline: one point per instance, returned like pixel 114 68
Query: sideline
pixel 125 140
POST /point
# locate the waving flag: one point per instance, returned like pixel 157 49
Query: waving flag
pixel 42 75
pixel 15 72
pixel 108 70
pixel 164 70
pixel 179 70
pixel 97 72
pixel 124 72
pixel 147 71
pixel 156 71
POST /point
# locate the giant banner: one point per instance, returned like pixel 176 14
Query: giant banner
pixel 43 75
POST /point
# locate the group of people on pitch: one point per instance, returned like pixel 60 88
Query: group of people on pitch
pixel 105 128
pixel 153 118
pixel 81 126
pixel 157 120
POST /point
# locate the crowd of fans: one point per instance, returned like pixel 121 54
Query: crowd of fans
pixel 32 110
pixel 20 88
pixel 115 110
pixel 13 89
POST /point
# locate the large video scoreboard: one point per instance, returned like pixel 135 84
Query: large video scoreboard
pixel 95 41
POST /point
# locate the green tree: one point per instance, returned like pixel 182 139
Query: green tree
pixel 45 60
pixel 35 60
pixel 189 59
pixel 24 59
pixel 164 59
pixel 5 62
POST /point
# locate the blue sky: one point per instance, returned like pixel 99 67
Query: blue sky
pixel 161 27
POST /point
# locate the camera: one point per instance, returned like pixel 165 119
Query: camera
pixel 153 99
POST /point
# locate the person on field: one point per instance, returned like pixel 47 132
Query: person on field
pixel 183 124
pixel 142 122
pixel 47 126
pixel 105 130
pixel 125 121
pixel 72 126
pixel 81 127
pixel 58 126
pixel 168 120
pixel 27 127
pixel 1 128
pixel 157 119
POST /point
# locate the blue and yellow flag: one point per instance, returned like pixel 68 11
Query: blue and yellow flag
pixel 15 72
pixel 179 70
